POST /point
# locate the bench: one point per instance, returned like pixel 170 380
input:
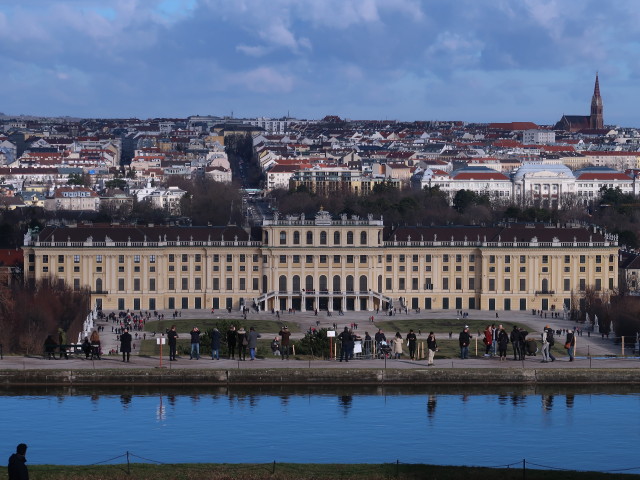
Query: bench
pixel 71 349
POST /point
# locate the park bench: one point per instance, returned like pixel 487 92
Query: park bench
pixel 71 349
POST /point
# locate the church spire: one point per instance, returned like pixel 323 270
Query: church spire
pixel 596 119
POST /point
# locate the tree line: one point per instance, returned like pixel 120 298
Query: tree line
pixel 30 312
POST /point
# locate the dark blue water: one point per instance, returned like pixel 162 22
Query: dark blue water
pixel 582 431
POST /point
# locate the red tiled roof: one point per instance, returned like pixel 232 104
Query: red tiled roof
pixel 505 143
pixel 279 168
pixel 12 258
pixel 514 126
pixel 603 176
pixel 557 148
pixel 480 176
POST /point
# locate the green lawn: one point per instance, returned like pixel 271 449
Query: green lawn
pixel 296 471
pixel 402 324
pixel 185 325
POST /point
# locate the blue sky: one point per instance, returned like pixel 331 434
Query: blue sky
pixel 471 60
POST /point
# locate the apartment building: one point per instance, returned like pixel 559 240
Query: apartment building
pixel 327 263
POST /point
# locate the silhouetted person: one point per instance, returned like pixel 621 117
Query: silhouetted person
pixel 17 467
pixel 125 345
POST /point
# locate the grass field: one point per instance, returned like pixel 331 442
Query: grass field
pixel 185 325
pixel 289 471
pixel 402 324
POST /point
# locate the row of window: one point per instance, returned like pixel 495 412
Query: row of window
pixel 389 258
pixel 322 284
pixel 323 259
pixel 323 238
pixel 428 304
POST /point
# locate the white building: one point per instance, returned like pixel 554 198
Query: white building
pixel 218 174
pixel 538 137
pixel 73 198
pixel 271 125
pixel 549 185
pixel 589 182
pixel 481 180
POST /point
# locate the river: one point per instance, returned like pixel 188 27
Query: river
pixel 577 428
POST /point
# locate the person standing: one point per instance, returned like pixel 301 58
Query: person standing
pixel 379 337
pixel 242 344
pixel 411 343
pixel 397 345
pixel 215 344
pixel 95 344
pixel 545 345
pixel 346 340
pixel 232 338
pixel 488 341
pixel 16 466
pixel 172 334
pixel 284 334
pixel 252 343
pixel 125 345
pixel 570 344
pixel 432 347
pixel 515 342
pixel 195 343
pixel 464 340
pixel 62 341
pixel 367 345
pixel 503 343
pixel 551 341
pixel 522 342
pixel 494 337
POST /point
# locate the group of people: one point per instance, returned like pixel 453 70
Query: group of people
pixel 392 348
pixel 239 338
pixel 243 340
pixel 496 341
pixel 281 343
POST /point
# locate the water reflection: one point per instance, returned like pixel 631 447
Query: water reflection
pixel 431 406
pixel 161 413
pixel 158 413
pixel 570 400
pixel 345 402
pixel 125 400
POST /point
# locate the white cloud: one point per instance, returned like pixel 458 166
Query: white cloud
pixel 263 80
pixel 253 50
pixel 454 49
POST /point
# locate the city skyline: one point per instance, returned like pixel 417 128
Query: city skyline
pixel 403 60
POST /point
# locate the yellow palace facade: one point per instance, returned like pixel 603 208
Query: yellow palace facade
pixel 327 263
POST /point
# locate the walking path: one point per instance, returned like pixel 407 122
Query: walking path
pixel 596 347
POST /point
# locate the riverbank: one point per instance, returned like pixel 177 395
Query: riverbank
pixel 320 376
pixel 290 471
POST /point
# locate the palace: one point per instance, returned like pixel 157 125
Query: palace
pixel 326 263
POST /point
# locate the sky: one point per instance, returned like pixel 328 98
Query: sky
pixel 469 60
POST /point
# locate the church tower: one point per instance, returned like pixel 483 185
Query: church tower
pixel 595 119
